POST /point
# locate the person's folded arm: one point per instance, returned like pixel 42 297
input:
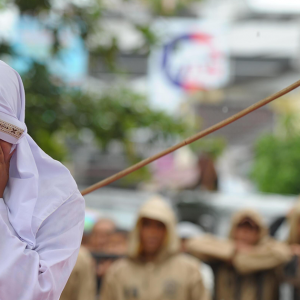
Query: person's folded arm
pixel 208 248
pixel 42 272
pixel 268 255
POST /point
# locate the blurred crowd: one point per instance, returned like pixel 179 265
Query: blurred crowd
pixel 160 259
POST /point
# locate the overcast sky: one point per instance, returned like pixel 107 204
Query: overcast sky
pixel 276 6
pixel 7 19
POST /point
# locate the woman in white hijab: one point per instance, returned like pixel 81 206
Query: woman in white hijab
pixel 41 209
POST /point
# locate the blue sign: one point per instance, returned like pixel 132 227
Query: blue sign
pixel 32 41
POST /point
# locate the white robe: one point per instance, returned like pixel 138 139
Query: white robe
pixel 42 272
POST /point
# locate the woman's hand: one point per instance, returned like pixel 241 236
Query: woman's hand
pixel 5 157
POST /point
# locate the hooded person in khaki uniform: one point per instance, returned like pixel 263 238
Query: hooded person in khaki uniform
pixel 82 282
pixel 294 233
pixel 245 264
pixel 154 269
pixel 292 269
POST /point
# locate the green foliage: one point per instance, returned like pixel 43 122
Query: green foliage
pixel 43 117
pixel 32 6
pixel 4 3
pixel 108 53
pixel 212 146
pixel 82 19
pixel 276 166
pixel 54 111
pixel 150 38
pixel 5 48
pixel 169 7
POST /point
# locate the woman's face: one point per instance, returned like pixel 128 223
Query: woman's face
pixel 6 148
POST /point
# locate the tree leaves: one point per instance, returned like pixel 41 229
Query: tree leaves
pixel 112 115
pixel 276 166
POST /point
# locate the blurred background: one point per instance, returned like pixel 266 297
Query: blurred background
pixel 110 82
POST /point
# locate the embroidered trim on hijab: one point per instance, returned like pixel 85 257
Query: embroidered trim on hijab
pixel 10 129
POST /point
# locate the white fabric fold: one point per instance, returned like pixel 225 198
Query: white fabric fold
pixel 41 273
pixel 41 213
pixel 38 184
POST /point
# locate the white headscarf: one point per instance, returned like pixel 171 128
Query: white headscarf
pixel 38 184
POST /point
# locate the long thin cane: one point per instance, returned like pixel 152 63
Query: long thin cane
pixel 191 139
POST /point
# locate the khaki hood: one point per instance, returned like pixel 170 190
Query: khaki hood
pixel 254 216
pixel 157 209
pixel 294 218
